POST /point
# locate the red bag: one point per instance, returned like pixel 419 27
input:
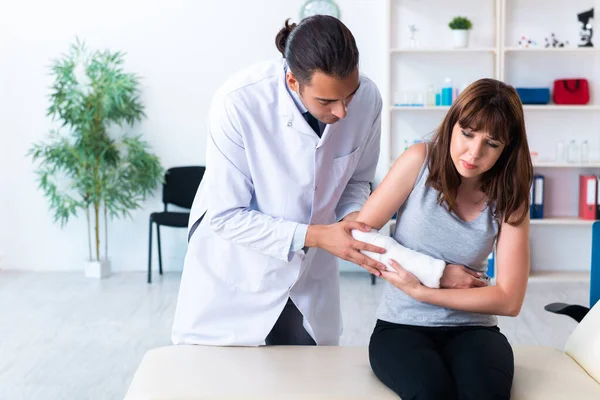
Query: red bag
pixel 571 91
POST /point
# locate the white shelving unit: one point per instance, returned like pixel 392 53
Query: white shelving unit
pixel 555 164
pixel 562 221
pixel 561 242
pixel 445 50
pixel 553 50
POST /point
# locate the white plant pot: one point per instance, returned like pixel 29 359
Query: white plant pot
pixel 97 269
pixel 460 38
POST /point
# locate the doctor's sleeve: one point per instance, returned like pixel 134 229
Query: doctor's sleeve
pixel 358 189
pixel 229 214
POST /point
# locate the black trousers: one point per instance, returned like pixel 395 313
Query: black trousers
pixel 288 329
pixel 442 362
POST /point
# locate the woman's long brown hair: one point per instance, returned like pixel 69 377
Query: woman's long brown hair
pixel 491 106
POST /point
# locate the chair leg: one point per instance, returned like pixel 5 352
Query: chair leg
pixel 150 252
pixel 159 250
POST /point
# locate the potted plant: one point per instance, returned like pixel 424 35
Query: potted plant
pixel 85 165
pixel 460 31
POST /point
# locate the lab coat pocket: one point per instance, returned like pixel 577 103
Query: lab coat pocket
pixel 343 168
pixel 235 265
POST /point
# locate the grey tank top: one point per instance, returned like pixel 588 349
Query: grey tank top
pixel 427 227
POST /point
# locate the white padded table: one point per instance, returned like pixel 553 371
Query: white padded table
pixel 324 373
pixel 267 373
pixel 546 373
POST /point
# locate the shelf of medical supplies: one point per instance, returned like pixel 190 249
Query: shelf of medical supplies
pixel 555 164
pixel 562 221
pixel 552 49
pixel 554 107
pixel 419 108
pixel 552 164
pixel 550 107
pixel 445 50
pixel 552 221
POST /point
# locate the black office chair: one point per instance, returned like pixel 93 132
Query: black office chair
pixel 181 184
pixel 576 311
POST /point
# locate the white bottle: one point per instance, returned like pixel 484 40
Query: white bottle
pixel 561 152
pixel 430 102
pixel 573 152
pixel 585 152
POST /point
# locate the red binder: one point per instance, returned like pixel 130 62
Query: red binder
pixel 588 196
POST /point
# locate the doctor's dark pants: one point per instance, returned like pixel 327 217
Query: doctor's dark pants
pixel 465 362
pixel 288 329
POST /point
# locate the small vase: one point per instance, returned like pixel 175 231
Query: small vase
pixel 460 38
pixel 97 269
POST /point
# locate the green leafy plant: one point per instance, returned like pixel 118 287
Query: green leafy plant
pixel 460 23
pixel 88 164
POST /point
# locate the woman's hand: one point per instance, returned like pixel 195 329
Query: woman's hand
pixel 460 277
pixel 402 279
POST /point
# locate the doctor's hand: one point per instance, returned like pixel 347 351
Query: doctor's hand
pixel 460 277
pixel 337 239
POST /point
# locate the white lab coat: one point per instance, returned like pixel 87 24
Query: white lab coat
pixel 267 171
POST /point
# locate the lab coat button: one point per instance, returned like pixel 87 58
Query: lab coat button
pixel 289 123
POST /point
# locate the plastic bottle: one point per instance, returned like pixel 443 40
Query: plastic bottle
pixel 573 152
pixel 447 92
pixel 585 152
pixel 430 96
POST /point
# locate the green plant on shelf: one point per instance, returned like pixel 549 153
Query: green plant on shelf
pixel 460 23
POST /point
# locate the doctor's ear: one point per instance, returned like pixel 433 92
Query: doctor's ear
pixel 292 82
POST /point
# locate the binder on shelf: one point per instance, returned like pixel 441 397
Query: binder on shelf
pixel 531 201
pixel 538 196
pixel 598 199
pixel 588 196
pixel 491 264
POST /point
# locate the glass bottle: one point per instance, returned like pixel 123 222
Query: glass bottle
pixel 561 152
pixel 573 152
pixel 585 152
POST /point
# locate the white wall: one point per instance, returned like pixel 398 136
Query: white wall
pixel 183 50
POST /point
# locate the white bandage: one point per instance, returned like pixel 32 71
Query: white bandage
pixel 427 269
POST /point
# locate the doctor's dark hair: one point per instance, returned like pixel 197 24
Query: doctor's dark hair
pixel 318 43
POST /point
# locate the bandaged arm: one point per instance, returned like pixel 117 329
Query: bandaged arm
pixel 427 269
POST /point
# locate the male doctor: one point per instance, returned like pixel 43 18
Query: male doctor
pixel 292 147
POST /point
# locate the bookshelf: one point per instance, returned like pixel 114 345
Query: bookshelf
pixel 562 240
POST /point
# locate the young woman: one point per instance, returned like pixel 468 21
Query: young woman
pixel 456 196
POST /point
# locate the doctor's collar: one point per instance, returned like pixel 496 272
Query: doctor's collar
pixel 301 107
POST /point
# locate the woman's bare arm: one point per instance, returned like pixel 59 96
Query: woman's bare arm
pixel 505 298
pixel 394 189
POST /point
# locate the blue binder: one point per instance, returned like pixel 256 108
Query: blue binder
pixel 531 200
pixel 595 267
pixel 491 264
pixel 538 197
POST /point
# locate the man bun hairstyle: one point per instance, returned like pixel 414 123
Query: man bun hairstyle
pixel 318 43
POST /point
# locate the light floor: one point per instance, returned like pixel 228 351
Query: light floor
pixel 63 336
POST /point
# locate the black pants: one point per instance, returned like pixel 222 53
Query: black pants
pixel 442 363
pixel 288 329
